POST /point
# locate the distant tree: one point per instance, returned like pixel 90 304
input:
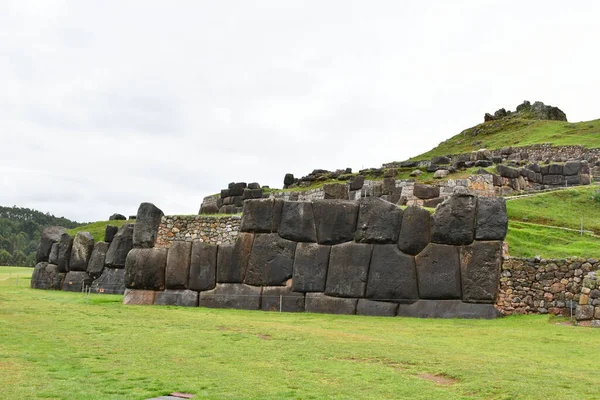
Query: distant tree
pixel 5 257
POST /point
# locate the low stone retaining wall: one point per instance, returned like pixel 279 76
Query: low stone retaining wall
pixel 205 228
pixel 538 286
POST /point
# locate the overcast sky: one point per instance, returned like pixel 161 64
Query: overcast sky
pixel 106 104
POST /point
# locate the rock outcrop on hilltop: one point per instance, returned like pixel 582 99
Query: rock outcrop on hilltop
pixel 526 110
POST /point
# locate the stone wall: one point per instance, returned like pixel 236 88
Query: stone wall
pixel 205 228
pixel 336 256
pixel 588 309
pixel 539 286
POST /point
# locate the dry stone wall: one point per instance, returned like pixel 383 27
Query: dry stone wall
pixel 336 256
pixel 205 228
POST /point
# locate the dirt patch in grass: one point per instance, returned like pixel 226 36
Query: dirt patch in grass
pixel 443 380
pixel 264 337
pixel 384 361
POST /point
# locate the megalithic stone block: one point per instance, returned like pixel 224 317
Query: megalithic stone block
pixel 112 281
pixel 322 304
pixel 203 266
pixel 480 265
pixel 178 265
pixel 109 233
pixel 232 260
pixel 298 222
pixel 145 269
pixel 261 215
pixel 182 298
pixel 392 275
pixel 46 276
pixel 139 297
pixel 120 246
pixel 376 308
pixel 81 251
pixel 53 257
pixel 447 309
pixel 50 235
pixel 415 231
pixel 454 220
pixel 310 267
pixel 232 295
pixel 146 225
pixel 96 263
pixel 492 219
pixel 76 281
pixel 379 221
pixel 348 269
pixel 335 220
pixel 281 298
pixel 438 272
pixel 271 261
pixel 65 245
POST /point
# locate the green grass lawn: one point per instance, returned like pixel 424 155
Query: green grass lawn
pixel 97 228
pixel 518 133
pixel 57 345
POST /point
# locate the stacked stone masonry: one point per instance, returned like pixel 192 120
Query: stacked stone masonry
pixel 336 256
pixel 588 309
pixel 205 228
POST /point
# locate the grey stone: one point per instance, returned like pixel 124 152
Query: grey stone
pixel 335 220
pixel 426 191
pixel 553 180
pixel 376 308
pixel 182 298
pixel 438 272
pixel 237 189
pixel 415 231
pixel 441 173
pixel 335 191
pixel 281 298
pixel 50 235
pixel 348 268
pixel 232 261
pixel 81 251
pixel 320 303
pixel 112 281
pixel 440 160
pixel 146 225
pixel 46 276
pixel 139 297
pixel 178 265
pixel 480 265
pixel 310 267
pixel 454 220
pixel 53 256
pixel 232 295
pixel 253 186
pixel 271 261
pixel 571 168
pixel 203 266
pixel 433 203
pixel 65 246
pixel 447 309
pixel 110 232
pixel 298 222
pixel 357 183
pixel 492 219
pixel 75 281
pixel 555 169
pixel 120 246
pixel 117 217
pixel 145 269
pixel 378 221
pixel 584 312
pixel 392 275
pixel 288 179
pixel 96 263
pixel 507 172
pixel 261 216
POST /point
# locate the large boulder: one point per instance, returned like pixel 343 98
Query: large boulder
pixel 271 261
pixel 109 233
pixel 288 179
pixel 571 168
pixel 335 191
pixel 507 172
pixel 65 246
pixel 438 272
pixel 81 251
pixel 96 263
pixel 454 220
pixel 232 260
pixel 298 222
pixel 232 295
pixel 335 220
pixel 203 266
pixel 182 298
pixel 392 275
pixel 145 269
pixel 112 281
pixel 47 276
pixel 426 191
pixel 357 183
pixel 379 221
pixel 447 309
pixel 76 281
pixel 492 219
pixel 320 303
pixel 415 230
pixel 261 215
pixel 281 298
pixel 146 225
pixel 310 267
pixel 50 235
pixel 178 265
pixel 348 268
pixel 376 308
pixel 120 246
pixel 117 217
pixel 480 265
pixel 237 189
pixel 53 257
pixel 139 297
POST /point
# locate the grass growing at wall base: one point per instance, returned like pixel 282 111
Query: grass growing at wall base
pixel 59 345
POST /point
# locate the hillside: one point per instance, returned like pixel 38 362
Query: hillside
pixel 20 231
pixel 97 229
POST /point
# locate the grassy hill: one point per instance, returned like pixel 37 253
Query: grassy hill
pixel 517 133
pixel 97 228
